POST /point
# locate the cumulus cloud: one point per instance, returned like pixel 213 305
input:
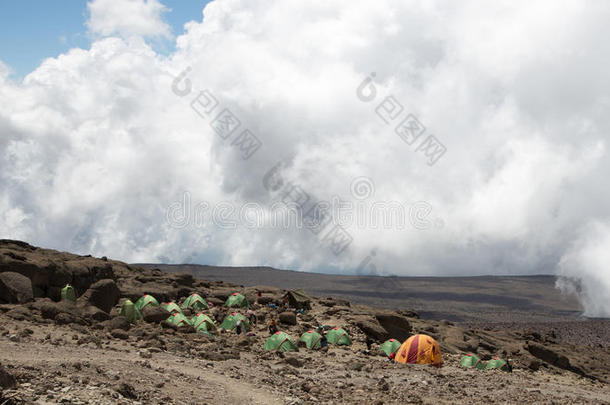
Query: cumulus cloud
pixel 127 18
pixel 103 152
pixel 584 269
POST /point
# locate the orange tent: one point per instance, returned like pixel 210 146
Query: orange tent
pixel 420 349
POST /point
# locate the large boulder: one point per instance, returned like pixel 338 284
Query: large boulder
pixel 19 313
pixel 94 313
pixel 396 325
pixel 15 288
pixel 154 314
pixel 49 270
pixel 50 310
pixel 372 328
pixel 549 356
pixel 162 288
pixel 6 379
pixel 184 279
pixel 103 294
pixel 288 318
pixel 120 322
pixel 217 302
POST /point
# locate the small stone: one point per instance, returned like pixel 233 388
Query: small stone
pixel 145 354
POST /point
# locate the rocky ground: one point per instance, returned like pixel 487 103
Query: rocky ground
pixel 84 352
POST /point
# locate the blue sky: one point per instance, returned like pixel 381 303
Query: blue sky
pixel 32 30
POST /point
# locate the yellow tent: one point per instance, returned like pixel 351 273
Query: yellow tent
pixel 420 349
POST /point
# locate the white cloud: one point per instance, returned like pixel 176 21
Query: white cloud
pixel 127 18
pixel 584 269
pixel 96 146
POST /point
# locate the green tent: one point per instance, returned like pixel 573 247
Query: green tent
pixel 196 302
pixel 390 346
pixel 231 320
pixel 237 300
pixel 145 301
pixel 178 319
pixel 339 337
pixel 470 361
pixel 68 293
pixel 202 322
pixel 498 363
pixel 129 311
pixel 311 339
pixel 171 307
pixel 280 341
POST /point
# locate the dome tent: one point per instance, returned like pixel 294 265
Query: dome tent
pixel 129 311
pixel 178 319
pixel 195 302
pixel 145 301
pixel 202 322
pixel 420 349
pixel 171 307
pixel 237 300
pixel 68 293
pixel 499 364
pixel 390 346
pixel 311 339
pixel 230 322
pixel 339 337
pixel 280 341
pixel 472 361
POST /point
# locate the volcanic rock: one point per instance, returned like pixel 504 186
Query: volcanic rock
pixel 15 288
pixel 103 294
pixel 288 318
pixel 154 314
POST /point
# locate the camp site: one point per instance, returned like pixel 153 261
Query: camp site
pixel 186 332
pixel 304 202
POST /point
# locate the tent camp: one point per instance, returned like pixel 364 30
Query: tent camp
pixel 472 361
pixel 231 320
pixel 389 346
pixel 171 307
pixel 280 341
pixel 195 302
pixel 202 322
pixel 237 300
pixel 339 337
pixel 178 319
pixel 420 349
pixel 311 339
pixel 129 311
pixel 68 293
pixel 145 301
pixel 298 299
pixel 499 364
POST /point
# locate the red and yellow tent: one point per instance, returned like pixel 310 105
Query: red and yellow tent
pixel 420 349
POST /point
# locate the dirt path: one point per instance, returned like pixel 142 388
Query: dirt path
pixel 170 378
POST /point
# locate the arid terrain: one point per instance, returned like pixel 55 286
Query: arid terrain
pixel 83 352
pixel 487 298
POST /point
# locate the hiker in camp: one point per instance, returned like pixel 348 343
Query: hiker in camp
pixel 272 327
pixel 238 327
pixel 369 342
pixel 218 314
pixel 251 317
pixel 323 341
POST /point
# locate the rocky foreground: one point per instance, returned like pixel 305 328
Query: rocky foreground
pixel 84 352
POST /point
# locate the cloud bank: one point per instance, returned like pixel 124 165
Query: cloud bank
pixel 112 150
pixel 127 18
